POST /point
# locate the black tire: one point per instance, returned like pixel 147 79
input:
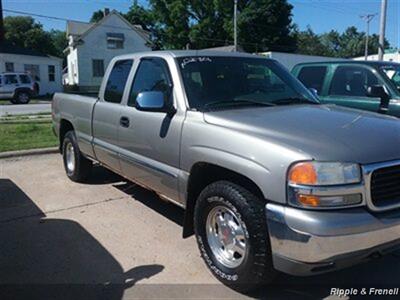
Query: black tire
pixel 82 165
pixel 22 97
pixel 256 268
pixel 13 101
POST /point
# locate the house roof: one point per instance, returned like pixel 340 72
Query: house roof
pixel 80 29
pixel 228 48
pixel 12 49
pixel 77 28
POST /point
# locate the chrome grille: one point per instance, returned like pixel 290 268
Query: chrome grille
pixel 385 186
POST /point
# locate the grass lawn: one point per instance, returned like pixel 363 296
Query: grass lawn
pixel 27 135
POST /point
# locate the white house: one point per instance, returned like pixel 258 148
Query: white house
pixel 289 60
pixel 392 55
pixel 45 69
pixel 91 46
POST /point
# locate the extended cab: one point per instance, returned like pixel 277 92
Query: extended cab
pixel 270 179
pixel 367 85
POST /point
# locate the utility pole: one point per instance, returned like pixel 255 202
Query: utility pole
pixel 382 28
pixel 367 18
pixel 235 24
pixel 1 23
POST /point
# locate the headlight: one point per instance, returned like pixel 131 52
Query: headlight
pixel 306 179
pixel 324 173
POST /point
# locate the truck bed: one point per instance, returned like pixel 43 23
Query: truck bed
pixel 77 110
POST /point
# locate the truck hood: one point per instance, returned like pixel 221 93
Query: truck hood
pixel 322 132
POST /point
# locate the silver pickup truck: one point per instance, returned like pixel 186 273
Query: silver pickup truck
pixel 269 178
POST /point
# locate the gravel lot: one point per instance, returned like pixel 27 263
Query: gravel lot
pixel 110 236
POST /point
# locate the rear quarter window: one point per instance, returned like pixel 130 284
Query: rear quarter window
pixel 117 80
pixel 24 79
pixel 313 77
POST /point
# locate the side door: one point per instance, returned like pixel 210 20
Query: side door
pixel 150 140
pixel 106 114
pixel 9 86
pixel 348 87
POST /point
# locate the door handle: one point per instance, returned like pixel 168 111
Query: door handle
pixel 124 122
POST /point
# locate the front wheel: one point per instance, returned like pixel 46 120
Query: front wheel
pixel 232 235
pixel 76 165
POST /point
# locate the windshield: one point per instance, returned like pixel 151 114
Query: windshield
pixel 233 82
pixel 393 73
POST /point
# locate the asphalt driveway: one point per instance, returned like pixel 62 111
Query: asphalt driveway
pixel 112 237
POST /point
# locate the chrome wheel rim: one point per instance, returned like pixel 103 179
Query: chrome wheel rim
pixel 70 158
pixel 23 98
pixel 226 238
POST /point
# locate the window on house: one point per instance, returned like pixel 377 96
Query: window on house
pixel 117 81
pixel 33 70
pixel 52 73
pixel 98 67
pixel 115 40
pixel 9 67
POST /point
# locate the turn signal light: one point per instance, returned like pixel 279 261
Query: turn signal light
pixel 303 173
pixel 309 200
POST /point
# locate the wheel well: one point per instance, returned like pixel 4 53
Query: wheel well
pixel 20 90
pixel 203 174
pixel 65 126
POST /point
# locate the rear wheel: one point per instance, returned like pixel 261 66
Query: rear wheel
pixel 232 235
pixel 22 97
pixel 76 165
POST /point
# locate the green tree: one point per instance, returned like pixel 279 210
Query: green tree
pixel 262 24
pixel 60 42
pixel 310 43
pixel 25 32
pixel 266 25
pixel 97 16
pixel 172 23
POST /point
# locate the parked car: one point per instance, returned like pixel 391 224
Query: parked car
pixel 270 179
pixel 19 88
pixel 368 85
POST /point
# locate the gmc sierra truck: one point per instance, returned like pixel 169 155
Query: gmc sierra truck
pixel 270 179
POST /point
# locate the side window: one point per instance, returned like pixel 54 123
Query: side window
pixel 352 81
pixel 24 79
pixel 151 75
pixel 117 80
pixel 11 79
pixel 313 77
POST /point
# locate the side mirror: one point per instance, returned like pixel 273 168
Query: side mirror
pixel 314 92
pixel 378 91
pixel 153 101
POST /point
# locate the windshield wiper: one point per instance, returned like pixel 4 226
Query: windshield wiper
pixel 293 100
pixel 236 102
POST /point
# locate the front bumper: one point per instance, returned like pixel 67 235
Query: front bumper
pixel 306 242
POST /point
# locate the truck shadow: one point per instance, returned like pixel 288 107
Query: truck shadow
pixel 152 201
pixel 49 258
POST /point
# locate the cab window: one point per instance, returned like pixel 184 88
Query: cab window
pixel 352 81
pixel 151 75
pixel 24 79
pixel 313 77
